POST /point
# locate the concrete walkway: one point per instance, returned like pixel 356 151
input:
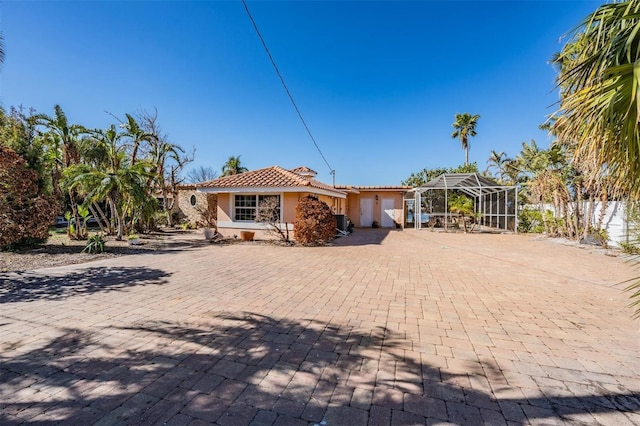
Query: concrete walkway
pixel 400 328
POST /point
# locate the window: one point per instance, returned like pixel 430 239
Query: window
pixel 245 206
pixel 193 200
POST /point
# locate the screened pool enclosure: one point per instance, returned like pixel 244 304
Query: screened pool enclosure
pixel 494 205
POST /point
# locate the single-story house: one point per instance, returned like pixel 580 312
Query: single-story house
pixel 237 197
pixel 381 206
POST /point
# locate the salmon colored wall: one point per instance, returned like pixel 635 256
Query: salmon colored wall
pixel 223 207
pixel 353 201
pixel 289 205
pixel 260 234
pixel 336 204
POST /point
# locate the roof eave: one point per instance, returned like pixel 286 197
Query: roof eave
pixel 270 189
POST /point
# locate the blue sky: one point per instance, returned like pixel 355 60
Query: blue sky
pixel 379 83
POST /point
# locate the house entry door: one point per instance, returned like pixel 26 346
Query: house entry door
pixel 366 212
pixel 388 213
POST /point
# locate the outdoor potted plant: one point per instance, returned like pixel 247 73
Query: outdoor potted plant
pixel 209 221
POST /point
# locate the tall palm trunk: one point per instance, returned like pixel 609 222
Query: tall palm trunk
pixel 97 212
pixel 604 205
pixel 466 153
pixel 114 213
pixel 578 209
pixel 134 155
pixel 73 201
pixel 121 219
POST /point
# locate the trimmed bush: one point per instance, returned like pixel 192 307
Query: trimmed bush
pixel 315 223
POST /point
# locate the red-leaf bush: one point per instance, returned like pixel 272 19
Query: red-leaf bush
pixel 25 214
pixel 315 223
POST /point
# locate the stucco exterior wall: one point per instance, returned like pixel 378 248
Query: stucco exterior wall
pixel 224 207
pixel 353 206
pixel 260 234
pixel 289 207
pixel 289 200
pixel 337 205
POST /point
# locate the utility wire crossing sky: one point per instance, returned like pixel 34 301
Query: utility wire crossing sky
pixel 378 82
pixel 295 106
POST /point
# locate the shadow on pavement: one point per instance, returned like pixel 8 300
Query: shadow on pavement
pixel 364 236
pixel 235 369
pixel 30 286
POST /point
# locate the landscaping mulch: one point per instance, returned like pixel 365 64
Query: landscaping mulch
pixel 60 250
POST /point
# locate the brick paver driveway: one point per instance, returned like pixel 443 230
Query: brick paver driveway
pixel 405 328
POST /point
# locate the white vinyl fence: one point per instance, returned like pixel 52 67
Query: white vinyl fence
pixel 614 222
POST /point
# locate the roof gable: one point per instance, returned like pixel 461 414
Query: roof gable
pixel 269 177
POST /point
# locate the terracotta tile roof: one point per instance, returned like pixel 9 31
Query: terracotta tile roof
pixel 186 186
pixel 270 177
pixel 304 170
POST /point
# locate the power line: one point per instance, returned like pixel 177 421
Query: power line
pixel 295 106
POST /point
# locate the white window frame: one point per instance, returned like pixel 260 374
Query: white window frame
pixel 257 196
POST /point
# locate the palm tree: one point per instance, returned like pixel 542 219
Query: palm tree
pixel 2 51
pixel 462 205
pixel 498 161
pixel 137 135
pixel 68 134
pixel 600 104
pixel 465 126
pixel 233 167
pixel 64 137
pixel 118 182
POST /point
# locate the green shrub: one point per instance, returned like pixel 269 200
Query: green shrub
pixel 630 248
pixel 601 236
pixel 530 220
pixel 95 245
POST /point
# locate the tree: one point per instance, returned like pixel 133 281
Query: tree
pixel 137 134
pixel 18 132
pixel 25 213
pixel 463 206
pixel 67 134
pixel 63 138
pixel 465 127
pixel 2 50
pixel 425 175
pixel 499 161
pixel 201 174
pixel 233 167
pixel 118 182
pixel 600 103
